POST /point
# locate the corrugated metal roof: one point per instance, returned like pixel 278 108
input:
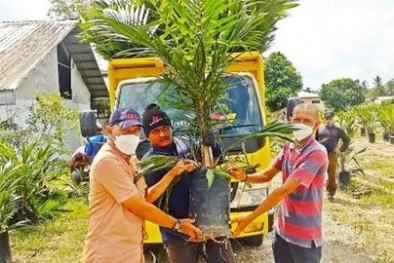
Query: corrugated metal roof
pixel 23 44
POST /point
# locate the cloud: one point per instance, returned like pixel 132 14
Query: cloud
pixel 328 39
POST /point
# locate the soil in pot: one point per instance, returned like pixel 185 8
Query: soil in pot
pixel 371 137
pixel 344 180
pixel 386 136
pixel 210 206
pixel 363 131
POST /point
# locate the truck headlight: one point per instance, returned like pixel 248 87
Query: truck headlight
pixel 252 197
pixel 249 197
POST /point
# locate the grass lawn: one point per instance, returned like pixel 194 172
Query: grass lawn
pixel 54 241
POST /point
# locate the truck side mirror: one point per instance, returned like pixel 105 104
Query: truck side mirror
pixel 87 123
pixel 291 103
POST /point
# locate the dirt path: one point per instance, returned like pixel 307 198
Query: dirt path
pixel 340 246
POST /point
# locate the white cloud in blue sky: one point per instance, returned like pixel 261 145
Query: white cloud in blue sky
pixel 324 39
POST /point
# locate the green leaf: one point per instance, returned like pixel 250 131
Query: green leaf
pixel 210 177
pixel 221 173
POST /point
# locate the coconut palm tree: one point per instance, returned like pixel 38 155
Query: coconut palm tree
pixel 196 39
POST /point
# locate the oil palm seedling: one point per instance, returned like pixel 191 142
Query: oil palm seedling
pixel 197 41
pixel 347 158
pixel 367 113
pixel 347 120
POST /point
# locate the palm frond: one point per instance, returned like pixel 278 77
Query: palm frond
pixel 274 129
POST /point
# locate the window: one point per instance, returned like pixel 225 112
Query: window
pixel 242 102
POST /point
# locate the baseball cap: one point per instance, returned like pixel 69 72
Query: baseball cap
pixel 328 114
pixel 125 117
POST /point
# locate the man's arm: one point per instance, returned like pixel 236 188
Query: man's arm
pixel 257 177
pixel 155 191
pixel 149 212
pixel 273 199
pixel 345 140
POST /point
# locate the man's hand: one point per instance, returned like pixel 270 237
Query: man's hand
pixel 187 227
pixel 236 172
pixel 242 223
pixel 183 165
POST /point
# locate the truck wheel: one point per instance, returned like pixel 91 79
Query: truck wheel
pixel 253 241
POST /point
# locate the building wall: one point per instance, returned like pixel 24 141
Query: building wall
pixel 44 79
pixel 314 100
pixel 79 90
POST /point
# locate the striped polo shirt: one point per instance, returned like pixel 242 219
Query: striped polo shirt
pixel 299 220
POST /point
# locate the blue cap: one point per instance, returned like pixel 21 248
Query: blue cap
pixel 125 117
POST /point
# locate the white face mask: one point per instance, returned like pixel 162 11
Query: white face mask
pixel 302 132
pixel 127 144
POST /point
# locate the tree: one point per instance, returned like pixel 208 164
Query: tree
pixel 67 9
pixel 379 86
pixel 341 93
pixel 195 39
pixel 281 80
pixel 389 88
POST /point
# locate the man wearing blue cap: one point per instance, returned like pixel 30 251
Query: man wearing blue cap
pixel 117 206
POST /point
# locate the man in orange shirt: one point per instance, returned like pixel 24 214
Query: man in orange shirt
pixel 117 206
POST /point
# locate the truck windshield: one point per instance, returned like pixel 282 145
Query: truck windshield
pixel 242 103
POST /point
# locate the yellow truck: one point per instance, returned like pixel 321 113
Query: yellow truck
pixel 132 83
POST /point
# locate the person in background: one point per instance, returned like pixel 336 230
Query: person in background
pixel 158 130
pixel 78 159
pixel 298 227
pixel 95 142
pixel 329 135
pixel 117 205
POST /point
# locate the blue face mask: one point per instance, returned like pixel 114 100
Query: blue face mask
pixel 127 143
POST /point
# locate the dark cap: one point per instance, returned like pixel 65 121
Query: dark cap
pixel 328 114
pixel 125 117
pixel 154 117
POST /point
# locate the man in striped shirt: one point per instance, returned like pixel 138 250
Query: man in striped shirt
pixel 298 228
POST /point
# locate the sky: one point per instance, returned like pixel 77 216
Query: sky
pixel 324 39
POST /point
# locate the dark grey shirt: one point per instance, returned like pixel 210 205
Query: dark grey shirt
pixel 330 135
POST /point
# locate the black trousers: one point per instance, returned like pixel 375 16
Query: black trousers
pixel 213 252
pixel 285 252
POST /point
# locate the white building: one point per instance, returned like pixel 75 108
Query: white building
pixel 309 97
pixel 39 57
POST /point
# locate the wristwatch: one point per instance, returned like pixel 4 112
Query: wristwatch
pixel 177 225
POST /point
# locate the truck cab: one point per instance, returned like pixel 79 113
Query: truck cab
pixel 133 82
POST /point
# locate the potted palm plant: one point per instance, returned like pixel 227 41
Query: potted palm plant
pixel 385 117
pixel 367 114
pixel 345 159
pixel 197 41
